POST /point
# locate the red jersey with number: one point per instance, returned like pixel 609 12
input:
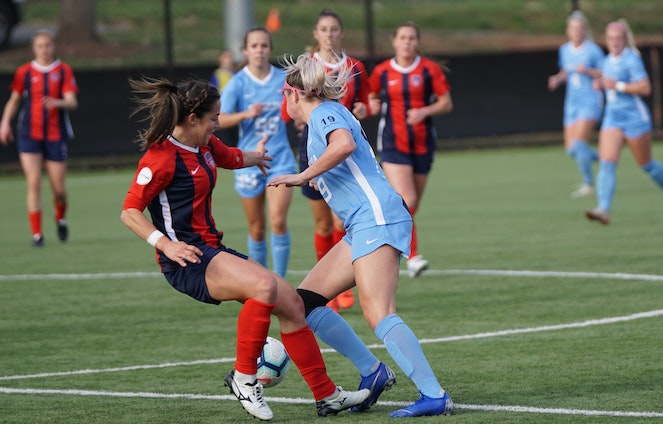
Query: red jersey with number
pixel 175 183
pixel 35 82
pixel 400 90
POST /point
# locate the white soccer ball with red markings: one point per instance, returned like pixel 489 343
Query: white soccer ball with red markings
pixel 273 364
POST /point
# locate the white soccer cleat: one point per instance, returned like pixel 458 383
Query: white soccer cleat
pixel 250 396
pixel 342 401
pixel 416 265
pixel 583 190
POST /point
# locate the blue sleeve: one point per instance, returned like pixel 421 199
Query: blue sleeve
pixel 230 96
pixel 637 71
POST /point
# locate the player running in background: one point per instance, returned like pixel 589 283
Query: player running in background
pixel 579 63
pixel 626 117
pixel 408 90
pixel 328 34
pixel 174 181
pixel 49 91
pixel 378 230
pixel 252 99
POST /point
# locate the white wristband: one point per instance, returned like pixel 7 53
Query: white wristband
pixel 620 86
pixel 154 237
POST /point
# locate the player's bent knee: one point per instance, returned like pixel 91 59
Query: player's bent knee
pixel 311 300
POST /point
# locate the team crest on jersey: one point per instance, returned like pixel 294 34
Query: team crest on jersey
pixel 209 160
pixel 54 76
pixel 415 80
pixel 144 176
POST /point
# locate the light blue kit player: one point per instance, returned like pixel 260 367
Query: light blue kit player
pixel 246 92
pixel 378 227
pixel 579 61
pixel 626 119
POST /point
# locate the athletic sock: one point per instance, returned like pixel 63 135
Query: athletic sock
pixel 252 329
pixel 332 329
pixel 404 348
pixel 655 171
pixel 305 353
pixel 606 183
pixel 413 242
pixel 258 251
pixel 35 222
pixel 60 210
pixel 323 244
pixel 584 156
pixel 280 252
pixel 337 235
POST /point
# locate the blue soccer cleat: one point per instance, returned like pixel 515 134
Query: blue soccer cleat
pixel 426 406
pixel 382 379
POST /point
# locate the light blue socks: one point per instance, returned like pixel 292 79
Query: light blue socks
pixel 332 329
pixel 655 171
pixel 404 348
pixel 258 251
pixel 585 156
pixel 606 183
pixel 280 253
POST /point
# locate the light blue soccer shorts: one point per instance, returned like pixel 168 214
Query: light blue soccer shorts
pixel 367 240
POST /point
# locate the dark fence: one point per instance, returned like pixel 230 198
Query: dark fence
pixel 494 95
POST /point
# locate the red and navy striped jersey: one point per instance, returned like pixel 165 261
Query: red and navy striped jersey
pixel 175 183
pixel 401 89
pixel 357 87
pixel 35 82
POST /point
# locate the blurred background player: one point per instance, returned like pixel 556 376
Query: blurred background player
pixel 252 100
pixel 579 63
pixel 225 71
pixel 48 91
pixel 408 90
pixel 328 34
pixel 627 117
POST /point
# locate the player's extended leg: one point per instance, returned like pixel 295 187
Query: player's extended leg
pixel 254 210
pixel 641 148
pixel 610 144
pixel 279 201
pixel 583 154
pixel 377 293
pixel 32 163
pixel 57 170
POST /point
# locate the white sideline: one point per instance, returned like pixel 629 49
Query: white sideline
pixel 432 272
pixel 559 411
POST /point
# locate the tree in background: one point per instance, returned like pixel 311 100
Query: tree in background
pixel 77 22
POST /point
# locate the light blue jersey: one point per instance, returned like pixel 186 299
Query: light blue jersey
pixel 581 100
pixel 626 111
pixel 356 189
pixel 242 91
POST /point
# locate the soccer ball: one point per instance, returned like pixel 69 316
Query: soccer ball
pixel 273 364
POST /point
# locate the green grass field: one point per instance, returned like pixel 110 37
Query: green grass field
pixel 530 313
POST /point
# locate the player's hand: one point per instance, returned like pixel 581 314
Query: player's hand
pixel 254 110
pixel 359 110
pixel 415 116
pixel 288 180
pixel 263 159
pixel 180 252
pixel 6 134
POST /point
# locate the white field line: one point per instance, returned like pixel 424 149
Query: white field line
pixel 479 272
pixel 558 411
pixel 151 395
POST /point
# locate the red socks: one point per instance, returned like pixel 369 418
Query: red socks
pixel 252 329
pixel 60 209
pixel 35 222
pixel 323 244
pixel 305 353
pixel 413 242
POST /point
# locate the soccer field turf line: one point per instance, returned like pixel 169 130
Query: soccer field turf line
pixel 500 408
